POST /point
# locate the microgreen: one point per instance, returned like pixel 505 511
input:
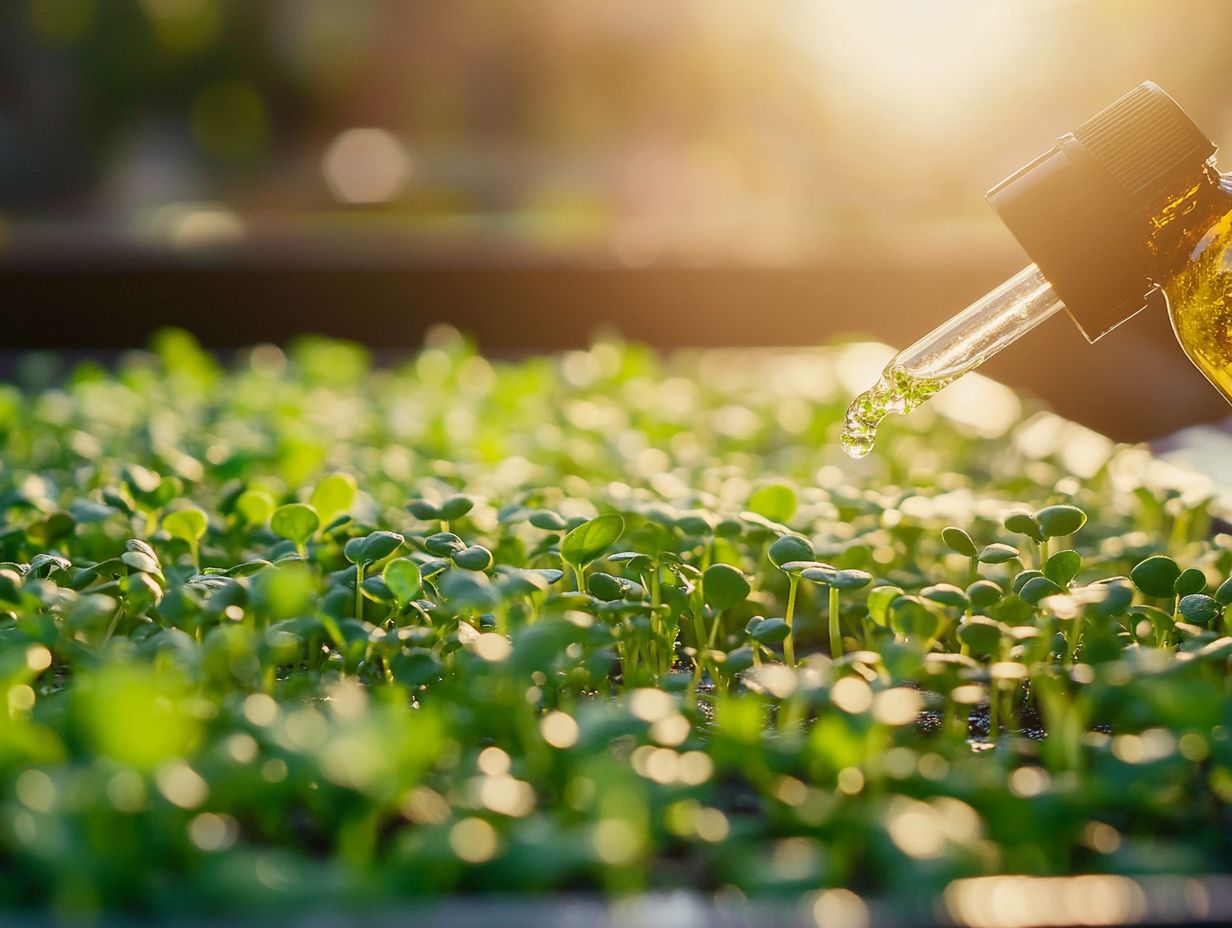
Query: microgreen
pixel 585 544
pixel 189 525
pixel 272 654
pixel 295 522
pixel 333 495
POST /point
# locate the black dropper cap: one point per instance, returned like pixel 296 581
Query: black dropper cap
pixel 1082 211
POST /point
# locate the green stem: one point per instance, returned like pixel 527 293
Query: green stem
pixel 973 574
pixel 115 621
pixel 662 651
pixel 714 629
pixel 789 644
pixel 1072 633
pixel 696 682
pixel 359 590
pixel 836 638
pixel 994 714
pixel 699 631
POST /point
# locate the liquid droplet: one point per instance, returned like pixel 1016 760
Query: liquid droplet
pixel 897 391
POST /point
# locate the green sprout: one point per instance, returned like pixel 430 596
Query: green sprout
pixel 429 674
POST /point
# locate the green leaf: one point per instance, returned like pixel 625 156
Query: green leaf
pixel 255 507
pixel 879 600
pixel 947 595
pixel 248 568
pixel 1023 523
pixel 1037 588
pixel 586 543
pixel 983 593
pixel 958 541
pixel 634 561
pixel 775 501
pixel 850 579
pixel 912 619
pixel 424 510
pixel 333 494
pixel 695 524
pixel 379 545
pixel 610 588
pixel 141 562
pixel 738 660
pixel 1156 576
pixel 1199 608
pixel 474 557
pixel 812 571
pixel 188 524
pixel 455 507
pixel 1224 593
pixel 790 548
pixel 724 586
pixel 1059 521
pixel 1191 580
pixel 547 520
pixel 770 631
pixel 444 544
pixel 982 635
pixel 295 522
pixel 1063 567
pixel 998 554
pixel 1118 595
pixel 402 577
pixel 1023 578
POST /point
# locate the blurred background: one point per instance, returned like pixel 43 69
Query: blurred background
pixel 696 172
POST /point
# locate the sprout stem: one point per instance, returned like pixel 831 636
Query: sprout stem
pixel 836 638
pixel 994 713
pixel 789 643
pixel 359 590
pixel 111 627
pixel 1072 633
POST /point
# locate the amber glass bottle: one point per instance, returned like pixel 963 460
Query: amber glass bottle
pixel 1196 274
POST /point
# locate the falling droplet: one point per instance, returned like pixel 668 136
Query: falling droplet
pixel 896 392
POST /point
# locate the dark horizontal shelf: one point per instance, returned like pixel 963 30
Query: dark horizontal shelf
pixel 1134 384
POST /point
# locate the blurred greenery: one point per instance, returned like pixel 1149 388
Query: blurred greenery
pixel 640 131
pixel 459 625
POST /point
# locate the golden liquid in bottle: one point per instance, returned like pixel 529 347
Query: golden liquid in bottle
pixel 1200 304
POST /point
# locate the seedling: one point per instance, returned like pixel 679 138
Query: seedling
pixel 386 688
pixel 790 554
pixel 189 525
pixel 368 550
pixel 835 580
pixel 296 522
pixel 586 543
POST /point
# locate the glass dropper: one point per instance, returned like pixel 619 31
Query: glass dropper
pixel 952 349
pixel 1085 211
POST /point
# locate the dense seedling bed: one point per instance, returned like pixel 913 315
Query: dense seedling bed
pixel 304 631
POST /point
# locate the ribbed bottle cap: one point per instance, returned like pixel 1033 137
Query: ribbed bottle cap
pixel 1083 209
pixel 1146 143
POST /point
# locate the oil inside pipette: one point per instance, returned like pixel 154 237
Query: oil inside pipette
pixel 896 392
